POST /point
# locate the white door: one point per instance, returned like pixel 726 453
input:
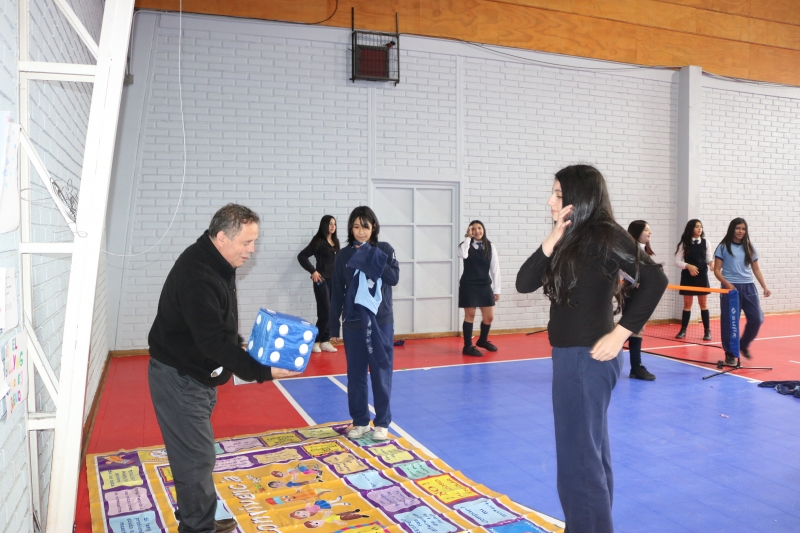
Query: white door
pixel 418 220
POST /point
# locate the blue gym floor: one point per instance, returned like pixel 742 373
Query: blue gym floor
pixel 720 455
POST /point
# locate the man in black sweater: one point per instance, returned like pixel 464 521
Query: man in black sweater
pixel 195 346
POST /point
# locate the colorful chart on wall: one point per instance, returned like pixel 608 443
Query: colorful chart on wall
pixel 312 478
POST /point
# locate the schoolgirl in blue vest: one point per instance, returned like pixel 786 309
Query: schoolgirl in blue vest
pixel 694 257
pixel 479 286
pixel 361 295
pixel 736 266
pixel 640 231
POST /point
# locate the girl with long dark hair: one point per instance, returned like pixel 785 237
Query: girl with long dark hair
pixel 736 266
pixel 694 257
pixel 323 246
pixel 579 265
pixel 479 285
pixel 640 231
pixel 363 277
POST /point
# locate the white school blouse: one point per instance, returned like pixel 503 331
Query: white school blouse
pixel 680 263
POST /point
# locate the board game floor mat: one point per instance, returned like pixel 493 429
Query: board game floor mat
pixel 295 480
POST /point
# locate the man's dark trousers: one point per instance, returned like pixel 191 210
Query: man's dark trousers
pixel 183 408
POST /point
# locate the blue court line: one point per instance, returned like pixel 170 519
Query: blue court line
pixel 679 464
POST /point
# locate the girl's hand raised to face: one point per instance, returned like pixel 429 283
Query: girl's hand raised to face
pixel 560 226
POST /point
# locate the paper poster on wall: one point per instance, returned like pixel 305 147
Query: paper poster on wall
pixel 15 359
pixel 9 318
pixel 9 179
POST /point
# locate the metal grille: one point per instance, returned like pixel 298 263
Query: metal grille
pixel 376 56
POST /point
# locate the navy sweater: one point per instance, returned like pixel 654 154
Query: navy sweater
pixel 342 276
pixel 196 329
pixel 591 314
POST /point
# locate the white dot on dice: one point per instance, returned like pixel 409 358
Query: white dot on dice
pixel 250 346
pixel 274 357
pixel 284 329
pixel 307 336
pixel 299 362
pixel 269 325
pixel 261 351
pixel 279 343
pixel 258 319
pixel 303 349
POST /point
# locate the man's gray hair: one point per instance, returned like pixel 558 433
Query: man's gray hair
pixel 230 219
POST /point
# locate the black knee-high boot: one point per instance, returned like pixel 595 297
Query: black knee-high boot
pixel 706 324
pixel 687 315
pixel 467 328
pixel 638 370
pixel 635 349
pixel 483 341
pixel 484 332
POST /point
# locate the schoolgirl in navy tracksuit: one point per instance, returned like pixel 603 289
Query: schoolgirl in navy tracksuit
pixel 361 292
pixel 735 266
pixel 579 265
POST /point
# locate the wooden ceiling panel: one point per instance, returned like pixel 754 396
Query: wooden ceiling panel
pixel 566 34
pixel 721 36
pixel 659 47
pixel 774 34
pixel 714 24
pixel 666 16
pixel 787 11
pixel 469 20
pixel 735 7
pixel 773 64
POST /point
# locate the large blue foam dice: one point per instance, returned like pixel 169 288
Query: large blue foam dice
pixel 280 340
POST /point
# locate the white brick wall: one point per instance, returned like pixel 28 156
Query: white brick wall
pixel 14 505
pixel 524 122
pixel 416 120
pixel 273 122
pixel 58 117
pixel 751 169
pixel 8 56
pixel 284 137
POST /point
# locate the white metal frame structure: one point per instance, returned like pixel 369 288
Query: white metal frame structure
pixel 69 393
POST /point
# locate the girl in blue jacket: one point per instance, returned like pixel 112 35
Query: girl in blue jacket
pixel 363 276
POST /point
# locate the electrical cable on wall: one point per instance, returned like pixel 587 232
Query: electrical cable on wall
pixel 570 67
pixel 183 132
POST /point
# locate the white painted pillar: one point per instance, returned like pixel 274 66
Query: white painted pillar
pixel 101 134
pixel 690 132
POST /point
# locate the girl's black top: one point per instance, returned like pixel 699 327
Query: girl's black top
pixel 591 314
pixel 324 253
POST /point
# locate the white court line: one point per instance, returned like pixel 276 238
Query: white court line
pixel 430 367
pixel 798 362
pixel 403 433
pixel 688 344
pixel 308 419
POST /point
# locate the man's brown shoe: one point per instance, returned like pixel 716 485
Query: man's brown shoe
pixel 225 526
